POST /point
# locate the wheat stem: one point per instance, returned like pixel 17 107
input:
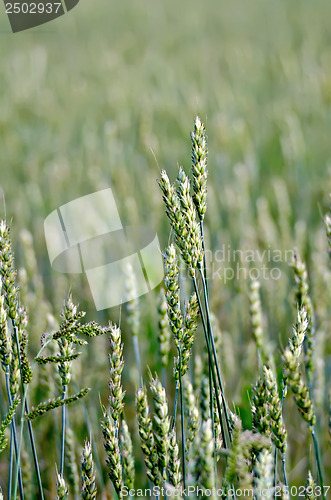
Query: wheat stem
pixel 284 470
pixel 63 430
pixel 212 341
pixel 212 416
pixel 164 376
pixel 13 442
pixel 25 407
pixel 175 404
pixel 210 358
pixel 318 460
pixel 20 442
pixel 209 368
pixel 10 472
pixel 182 421
pixel 275 471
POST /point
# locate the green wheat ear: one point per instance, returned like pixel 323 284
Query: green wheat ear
pixel 7 271
pixel 61 488
pixel 255 311
pixel 161 424
pixel 116 367
pixel 171 282
pixel 260 408
pixel 245 445
pixel 278 431
pixel 191 315
pixel 111 445
pixel 89 490
pixel 145 427
pixel 43 408
pixel 299 333
pixel 174 474
pixel 304 302
pixel 199 167
pixel 264 476
pixel 183 218
pixel 299 389
pixel 6 422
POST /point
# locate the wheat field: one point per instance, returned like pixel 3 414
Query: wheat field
pixel 231 388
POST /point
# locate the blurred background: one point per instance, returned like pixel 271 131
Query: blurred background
pixel 106 97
